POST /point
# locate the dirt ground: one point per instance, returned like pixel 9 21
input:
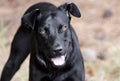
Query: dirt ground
pixel 98 31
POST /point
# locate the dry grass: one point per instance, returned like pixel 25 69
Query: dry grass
pixel 95 31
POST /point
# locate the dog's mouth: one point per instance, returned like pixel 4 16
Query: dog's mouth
pixel 56 61
pixel 59 60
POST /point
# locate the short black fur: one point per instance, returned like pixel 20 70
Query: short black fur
pixel 46 34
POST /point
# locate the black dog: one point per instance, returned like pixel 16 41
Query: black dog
pixel 46 33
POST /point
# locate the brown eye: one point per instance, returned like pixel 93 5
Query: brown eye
pixel 43 32
pixel 63 28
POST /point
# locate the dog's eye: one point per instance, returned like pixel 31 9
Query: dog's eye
pixel 43 32
pixel 63 28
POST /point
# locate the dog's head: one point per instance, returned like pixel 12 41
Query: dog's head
pixel 53 31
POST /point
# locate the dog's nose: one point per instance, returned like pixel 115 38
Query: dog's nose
pixel 58 50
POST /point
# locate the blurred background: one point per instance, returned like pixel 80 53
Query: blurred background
pixel 98 31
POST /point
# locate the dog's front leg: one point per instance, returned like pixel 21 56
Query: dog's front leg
pixel 19 51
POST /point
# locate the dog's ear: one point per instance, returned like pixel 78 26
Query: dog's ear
pixel 29 19
pixel 70 8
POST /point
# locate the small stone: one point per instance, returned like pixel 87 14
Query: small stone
pixel 107 13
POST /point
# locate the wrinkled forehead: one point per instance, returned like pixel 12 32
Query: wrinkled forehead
pixel 54 18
